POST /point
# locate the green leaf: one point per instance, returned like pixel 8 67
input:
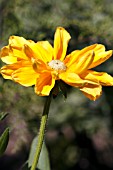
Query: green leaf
pixel 4 141
pixel 3 115
pixel 44 163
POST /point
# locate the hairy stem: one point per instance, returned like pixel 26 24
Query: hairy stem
pixel 41 132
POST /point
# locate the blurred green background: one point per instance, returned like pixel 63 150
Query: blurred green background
pixel 79 133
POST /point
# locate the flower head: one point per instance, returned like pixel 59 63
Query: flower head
pixel 40 64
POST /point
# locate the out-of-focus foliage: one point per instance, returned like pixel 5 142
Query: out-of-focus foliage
pixel 38 19
pixel 79 133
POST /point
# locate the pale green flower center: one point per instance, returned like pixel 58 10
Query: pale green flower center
pixel 57 65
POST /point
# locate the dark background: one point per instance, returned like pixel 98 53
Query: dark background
pixel 79 133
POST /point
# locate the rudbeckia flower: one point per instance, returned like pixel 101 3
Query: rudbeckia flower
pixel 40 64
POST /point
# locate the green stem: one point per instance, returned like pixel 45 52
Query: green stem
pixel 41 132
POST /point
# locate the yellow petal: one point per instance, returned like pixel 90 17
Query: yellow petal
pixel 7 70
pixel 44 84
pixel 99 48
pixel 87 49
pixel 18 42
pixel 21 72
pixel 74 80
pixel 93 92
pixel 47 46
pixel 87 75
pixel 19 54
pixel 71 58
pixel 6 55
pixel 91 89
pixel 28 51
pixel 103 78
pixel 81 64
pixel 4 51
pixel 75 55
pixel 37 51
pixel 100 57
pixel 61 40
pixel 14 51
pixel 39 65
pixel 25 76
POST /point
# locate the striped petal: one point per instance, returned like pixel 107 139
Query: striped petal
pixel 25 76
pixel 37 51
pixel 91 91
pixel 47 46
pixel 81 64
pixel 6 55
pixel 76 55
pixel 61 40
pixel 7 70
pixel 103 78
pixel 74 79
pixel 18 42
pixel 100 57
pixel 71 58
pixel 21 72
pixel 14 51
pixel 44 84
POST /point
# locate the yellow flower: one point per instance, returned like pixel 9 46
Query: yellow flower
pixel 39 64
